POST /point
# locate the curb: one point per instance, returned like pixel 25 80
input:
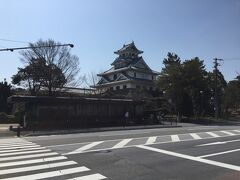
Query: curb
pixel 39 133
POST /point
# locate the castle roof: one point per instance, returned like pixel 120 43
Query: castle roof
pixel 129 48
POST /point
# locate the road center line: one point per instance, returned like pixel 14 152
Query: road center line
pixel 198 159
pixel 215 154
pixel 219 142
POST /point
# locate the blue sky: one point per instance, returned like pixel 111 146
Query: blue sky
pixel 190 28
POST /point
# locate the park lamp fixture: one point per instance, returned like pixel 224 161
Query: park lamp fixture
pixel 34 47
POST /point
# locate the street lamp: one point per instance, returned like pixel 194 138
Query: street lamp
pixel 35 47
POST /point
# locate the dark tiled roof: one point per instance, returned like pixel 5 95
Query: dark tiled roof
pixel 130 47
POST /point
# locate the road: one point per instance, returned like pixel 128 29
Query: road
pixel 190 152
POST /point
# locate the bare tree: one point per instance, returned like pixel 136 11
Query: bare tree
pixel 61 67
pixel 91 81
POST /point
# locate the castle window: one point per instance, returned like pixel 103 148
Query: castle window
pixel 152 77
pixel 124 86
pixel 114 76
pixel 135 74
pixel 118 87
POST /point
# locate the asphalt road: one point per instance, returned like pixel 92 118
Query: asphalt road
pixel 192 152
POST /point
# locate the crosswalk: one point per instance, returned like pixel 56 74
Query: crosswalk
pixel 122 143
pixel 24 160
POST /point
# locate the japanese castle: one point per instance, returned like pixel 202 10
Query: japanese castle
pixel 129 71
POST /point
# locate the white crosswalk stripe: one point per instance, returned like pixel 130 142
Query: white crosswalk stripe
pixel 90 177
pixel 151 140
pixel 84 148
pixel 24 152
pixel 228 133
pixel 175 138
pixel 33 161
pixel 212 134
pixel 25 149
pixel 18 156
pixel 32 168
pixel 123 143
pixel 50 174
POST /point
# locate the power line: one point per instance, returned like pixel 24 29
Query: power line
pixel 232 59
pixel 9 40
pixel 36 47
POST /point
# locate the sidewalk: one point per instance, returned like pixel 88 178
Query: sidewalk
pixel 89 130
pixel 5 132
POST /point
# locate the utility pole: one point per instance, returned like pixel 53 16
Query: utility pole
pixel 216 64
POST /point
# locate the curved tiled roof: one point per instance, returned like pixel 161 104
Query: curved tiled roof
pixel 129 47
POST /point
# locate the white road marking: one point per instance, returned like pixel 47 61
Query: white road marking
pixel 37 167
pixel 198 159
pixel 13 140
pixel 50 174
pixel 143 137
pixel 122 134
pixel 151 140
pixel 27 156
pixel 86 147
pixel 200 128
pixel 16 143
pixel 24 149
pixel 210 144
pixel 24 152
pixel 219 153
pixel 219 142
pixel 90 177
pixel 121 143
pixel 175 138
pixel 72 144
pixel 19 147
pixel 228 133
pixel 212 134
pixel 33 161
pixel 195 136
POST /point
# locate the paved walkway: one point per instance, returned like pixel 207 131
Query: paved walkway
pixel 4 130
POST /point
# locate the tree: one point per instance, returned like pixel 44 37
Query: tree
pixel 5 92
pixel 232 95
pixel 189 87
pixel 51 67
pixel 195 84
pixel 91 80
pixel 31 76
pixel 171 82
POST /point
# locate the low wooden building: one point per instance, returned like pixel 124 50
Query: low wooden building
pixel 73 112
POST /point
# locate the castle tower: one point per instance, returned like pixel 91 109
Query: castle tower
pixel 129 71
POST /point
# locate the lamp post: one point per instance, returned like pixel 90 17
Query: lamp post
pixel 201 94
